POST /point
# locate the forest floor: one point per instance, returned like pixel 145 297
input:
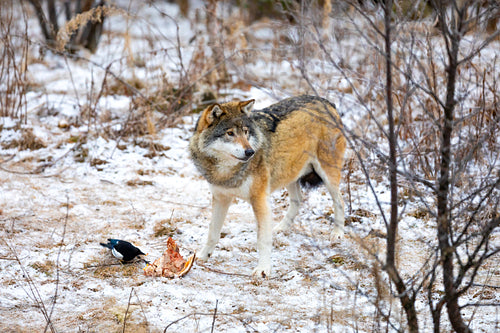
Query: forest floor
pixel 67 184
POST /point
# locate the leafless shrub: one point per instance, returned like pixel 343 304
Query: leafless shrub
pixel 32 289
pixel 164 100
pixel 431 113
pixel 13 61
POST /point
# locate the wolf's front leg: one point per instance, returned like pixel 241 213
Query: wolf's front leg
pixel 262 213
pixel 220 205
pixel 293 209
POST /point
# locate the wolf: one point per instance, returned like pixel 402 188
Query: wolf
pixel 249 154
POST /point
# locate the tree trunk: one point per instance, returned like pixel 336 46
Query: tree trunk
pixel 443 212
pixel 42 20
pixel 407 302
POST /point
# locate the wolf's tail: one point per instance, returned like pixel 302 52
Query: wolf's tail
pixel 310 180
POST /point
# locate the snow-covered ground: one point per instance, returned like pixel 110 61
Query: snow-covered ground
pixel 84 186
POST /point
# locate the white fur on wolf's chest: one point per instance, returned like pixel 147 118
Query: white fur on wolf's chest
pixel 242 191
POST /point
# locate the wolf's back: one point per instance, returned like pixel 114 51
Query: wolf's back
pixel 270 117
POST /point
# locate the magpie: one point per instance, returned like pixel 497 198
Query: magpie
pixel 122 250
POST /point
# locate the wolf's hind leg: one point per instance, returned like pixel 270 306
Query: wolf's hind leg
pixel 220 205
pixel 338 206
pixel 329 169
pixel 293 209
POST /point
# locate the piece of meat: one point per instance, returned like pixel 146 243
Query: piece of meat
pixel 171 264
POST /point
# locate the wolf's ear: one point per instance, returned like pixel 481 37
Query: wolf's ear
pixel 247 106
pixel 208 116
pixel 216 113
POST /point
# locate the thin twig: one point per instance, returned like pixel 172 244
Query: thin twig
pixel 218 271
pixel 57 262
pixel 126 311
pixel 35 293
pixel 184 204
pixel 215 315
pixel 142 309
pixel 222 272
pixel 8 158
pixel 245 324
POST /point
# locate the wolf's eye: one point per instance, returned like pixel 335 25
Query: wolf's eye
pixel 245 131
pixel 230 133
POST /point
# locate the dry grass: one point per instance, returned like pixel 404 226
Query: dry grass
pixel 139 182
pixel 164 228
pixel 28 141
pixel 109 317
pixel 92 15
pixel 47 267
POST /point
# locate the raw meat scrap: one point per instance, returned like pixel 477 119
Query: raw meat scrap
pixel 171 264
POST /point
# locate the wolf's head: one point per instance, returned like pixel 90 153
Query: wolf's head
pixel 226 132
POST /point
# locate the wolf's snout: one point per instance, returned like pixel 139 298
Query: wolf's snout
pixel 249 152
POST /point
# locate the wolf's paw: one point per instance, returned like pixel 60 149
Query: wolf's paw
pixel 336 234
pixel 283 227
pixel 262 271
pixel 204 255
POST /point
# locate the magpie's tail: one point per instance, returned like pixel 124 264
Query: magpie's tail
pixel 108 245
pixel 112 242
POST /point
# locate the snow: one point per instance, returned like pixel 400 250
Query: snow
pixel 53 220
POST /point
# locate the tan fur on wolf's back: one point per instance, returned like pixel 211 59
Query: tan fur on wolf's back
pixel 304 131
